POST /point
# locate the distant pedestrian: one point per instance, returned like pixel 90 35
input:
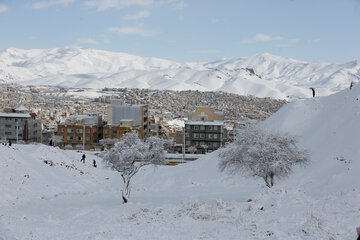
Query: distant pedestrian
pixel 313 91
pixel 351 85
pixel 10 143
pixel 50 143
pixel 94 163
pixel 83 158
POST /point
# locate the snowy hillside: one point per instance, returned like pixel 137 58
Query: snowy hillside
pixel 330 128
pixel 70 200
pixel 261 75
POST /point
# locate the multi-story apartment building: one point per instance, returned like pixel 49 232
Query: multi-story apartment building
pixel 137 115
pixel 205 130
pixel 81 132
pixel 206 136
pixel 19 125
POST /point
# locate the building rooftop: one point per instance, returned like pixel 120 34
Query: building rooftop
pixel 210 123
pixel 15 115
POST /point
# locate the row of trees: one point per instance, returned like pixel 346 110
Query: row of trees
pixel 256 152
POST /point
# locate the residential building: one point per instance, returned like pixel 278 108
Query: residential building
pixel 19 125
pixel 137 114
pixel 206 136
pixel 206 114
pixel 205 129
pixel 81 132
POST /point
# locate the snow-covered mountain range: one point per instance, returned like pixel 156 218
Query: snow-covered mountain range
pixel 261 75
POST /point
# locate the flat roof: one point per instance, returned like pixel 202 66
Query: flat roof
pixel 210 123
pixel 14 115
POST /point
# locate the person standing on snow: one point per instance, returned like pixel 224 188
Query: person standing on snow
pixel 83 158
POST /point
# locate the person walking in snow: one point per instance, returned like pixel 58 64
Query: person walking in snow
pixel 10 143
pixel 94 163
pixel 50 143
pixel 83 158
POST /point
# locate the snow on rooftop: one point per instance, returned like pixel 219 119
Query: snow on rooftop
pixel 21 109
pixel 207 123
pixel 15 115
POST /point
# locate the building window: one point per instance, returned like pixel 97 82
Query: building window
pixel 88 130
pixel 195 135
pixel 7 133
pixel 202 127
pixel 187 135
pixel 188 127
pixel 114 132
pixel 196 127
pixel 210 128
pixel 70 130
pixel 210 136
pixel 79 130
pixel 70 138
pixel 202 135
pixel 62 130
pixel 215 136
pixel 8 126
pixel 79 138
pixel 106 131
pixel 215 128
pixel 87 138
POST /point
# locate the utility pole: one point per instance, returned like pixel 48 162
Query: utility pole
pixel 84 137
pixel 17 131
pixel 184 141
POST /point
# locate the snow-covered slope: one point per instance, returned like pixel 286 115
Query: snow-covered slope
pixel 70 200
pixel 262 75
pixel 330 128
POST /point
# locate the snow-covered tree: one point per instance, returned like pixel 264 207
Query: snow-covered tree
pixel 130 154
pixel 108 142
pixel 192 149
pixel 56 139
pixel 261 153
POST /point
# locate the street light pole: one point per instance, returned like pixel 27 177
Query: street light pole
pixel 17 131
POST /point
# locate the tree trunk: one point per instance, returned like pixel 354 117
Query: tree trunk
pixel 266 178
pixel 126 189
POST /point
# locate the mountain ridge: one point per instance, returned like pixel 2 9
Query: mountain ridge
pixel 261 75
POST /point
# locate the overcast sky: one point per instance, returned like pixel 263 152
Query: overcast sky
pixel 188 30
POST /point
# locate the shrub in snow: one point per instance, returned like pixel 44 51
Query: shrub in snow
pixel 56 140
pixel 261 153
pixel 192 149
pixel 130 154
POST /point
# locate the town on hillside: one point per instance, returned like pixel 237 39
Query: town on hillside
pixel 81 119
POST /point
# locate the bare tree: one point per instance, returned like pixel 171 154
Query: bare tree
pixel 262 154
pixel 130 154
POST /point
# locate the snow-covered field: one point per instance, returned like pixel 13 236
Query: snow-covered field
pixel 260 75
pixel 71 200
